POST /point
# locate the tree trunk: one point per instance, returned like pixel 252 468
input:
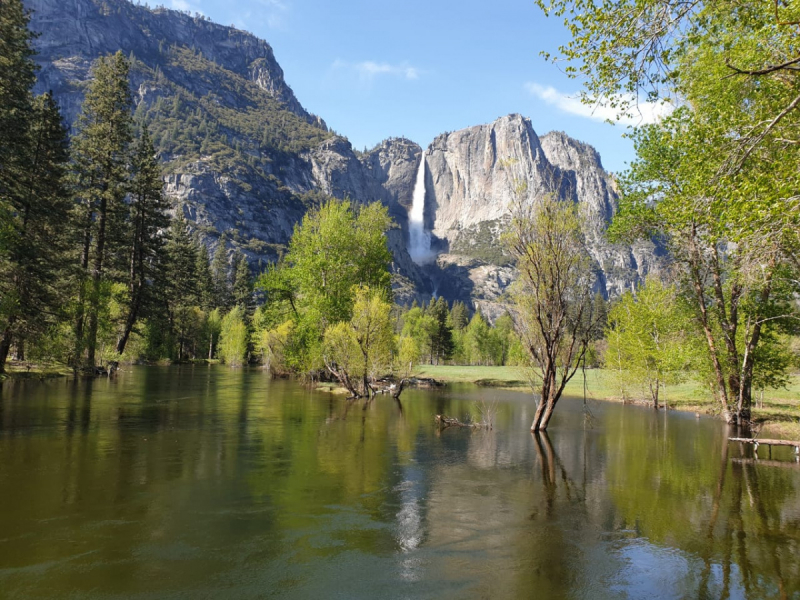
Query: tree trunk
pixel 97 272
pixel 5 346
pixel 133 315
pixel 548 413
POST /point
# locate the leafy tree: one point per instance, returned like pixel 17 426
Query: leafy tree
pixel 421 327
pixel 477 340
pixel 233 338
pixel 408 356
pixel 358 352
pixel 552 301
pixel 717 179
pixel 100 150
pixel 651 338
pixel 333 251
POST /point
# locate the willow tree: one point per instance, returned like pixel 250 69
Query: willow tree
pixel 553 303
pixel 717 180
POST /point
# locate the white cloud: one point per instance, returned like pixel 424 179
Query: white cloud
pixel 180 5
pixel 368 69
pixel 644 113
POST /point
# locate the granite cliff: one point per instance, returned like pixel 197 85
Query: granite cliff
pixel 242 157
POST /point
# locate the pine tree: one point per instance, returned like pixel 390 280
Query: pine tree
pixel 33 254
pixel 242 283
pixel 219 274
pixel 459 315
pixel 205 281
pixel 147 218
pixel 181 291
pixel 17 76
pixel 442 339
pixel 101 172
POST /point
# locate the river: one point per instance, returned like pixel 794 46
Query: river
pixel 205 482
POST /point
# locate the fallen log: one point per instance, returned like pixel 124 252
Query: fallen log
pixel 766 442
pixel 766 463
pixel 443 422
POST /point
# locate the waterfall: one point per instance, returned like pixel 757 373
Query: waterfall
pixel 419 245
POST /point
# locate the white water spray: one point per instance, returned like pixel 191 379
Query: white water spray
pixel 419 246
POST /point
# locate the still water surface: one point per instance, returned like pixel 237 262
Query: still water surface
pixel 204 482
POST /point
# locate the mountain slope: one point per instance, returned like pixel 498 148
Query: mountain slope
pixel 243 157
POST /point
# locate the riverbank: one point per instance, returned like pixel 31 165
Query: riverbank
pixel 779 414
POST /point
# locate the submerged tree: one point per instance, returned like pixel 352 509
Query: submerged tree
pixel 717 180
pixel 552 298
pixel 359 351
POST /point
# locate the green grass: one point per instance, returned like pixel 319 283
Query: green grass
pixel 780 411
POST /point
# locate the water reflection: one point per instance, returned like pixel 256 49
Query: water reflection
pixel 206 482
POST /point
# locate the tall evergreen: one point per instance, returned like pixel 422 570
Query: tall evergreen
pixel 442 338
pixel 33 254
pixel 101 172
pixel 17 76
pixel 205 281
pixel 459 315
pixel 33 155
pixel 146 219
pixel 242 283
pixel 181 292
pixel 219 274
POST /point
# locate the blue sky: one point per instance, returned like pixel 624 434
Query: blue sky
pixel 418 68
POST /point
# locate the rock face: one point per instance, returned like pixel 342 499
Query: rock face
pixel 72 33
pixel 244 158
pixel 476 173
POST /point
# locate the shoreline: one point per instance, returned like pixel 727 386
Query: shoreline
pixel 778 417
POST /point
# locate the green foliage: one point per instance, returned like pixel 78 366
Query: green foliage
pixel 652 338
pixel 717 179
pixel 233 339
pixel 332 252
pixel 552 298
pixel 358 352
pixel 101 159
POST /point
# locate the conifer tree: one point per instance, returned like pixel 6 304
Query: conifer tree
pixel 205 281
pixel 101 173
pixel 242 283
pixel 442 338
pixel 181 289
pixel 147 218
pixel 219 274
pixel 33 254
pixel 33 155
pixel 17 76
